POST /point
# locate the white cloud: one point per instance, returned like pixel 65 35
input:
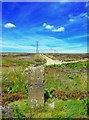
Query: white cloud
pixel 44 24
pixel 9 25
pixel 83 14
pixel 49 26
pixel 52 26
pixel 59 29
pixel 71 20
pixel 77 18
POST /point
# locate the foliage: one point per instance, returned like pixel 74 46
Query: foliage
pixel 67 57
pixel 48 93
pixel 19 59
pixel 11 97
pixel 66 78
pixel 72 94
pixel 63 109
pixel 65 84
pixel 69 66
pixel 17 112
pixel 15 79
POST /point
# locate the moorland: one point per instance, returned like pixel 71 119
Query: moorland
pixel 66 85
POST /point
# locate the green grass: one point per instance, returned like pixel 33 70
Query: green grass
pixel 62 109
pixel 66 57
pixel 66 80
pixel 15 79
pixel 65 77
pixel 23 60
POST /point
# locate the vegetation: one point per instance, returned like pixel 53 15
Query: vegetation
pixel 63 109
pixel 67 57
pixel 22 59
pixel 65 86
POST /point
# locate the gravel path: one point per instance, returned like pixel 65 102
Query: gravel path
pixel 52 62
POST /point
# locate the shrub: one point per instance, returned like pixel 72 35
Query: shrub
pixel 17 112
pixel 72 94
pixel 48 93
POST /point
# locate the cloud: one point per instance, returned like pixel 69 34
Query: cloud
pixel 48 26
pixel 44 24
pixel 60 45
pixel 59 29
pixel 78 17
pixel 52 26
pixel 9 25
pixel 83 14
pixel 71 20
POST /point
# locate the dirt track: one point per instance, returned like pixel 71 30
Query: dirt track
pixel 52 62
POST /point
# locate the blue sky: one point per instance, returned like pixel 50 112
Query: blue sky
pixel 58 27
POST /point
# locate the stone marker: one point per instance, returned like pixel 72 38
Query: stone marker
pixel 36 86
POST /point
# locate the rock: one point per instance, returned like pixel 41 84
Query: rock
pixel 52 105
pixel 64 81
pixel 36 86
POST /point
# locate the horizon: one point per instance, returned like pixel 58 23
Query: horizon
pixel 42 53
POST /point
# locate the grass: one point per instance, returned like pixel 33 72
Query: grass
pixel 72 77
pixel 15 79
pixel 62 109
pixel 66 57
pixel 20 59
pixel 61 79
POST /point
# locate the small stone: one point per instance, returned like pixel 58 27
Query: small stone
pixel 64 81
pixel 52 105
pixel 37 104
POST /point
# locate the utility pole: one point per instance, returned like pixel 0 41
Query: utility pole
pixel 37 47
pixel 54 51
pixel 51 50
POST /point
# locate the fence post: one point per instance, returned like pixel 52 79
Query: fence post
pixel 36 86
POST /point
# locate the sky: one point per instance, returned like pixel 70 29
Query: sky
pixel 45 0
pixel 59 27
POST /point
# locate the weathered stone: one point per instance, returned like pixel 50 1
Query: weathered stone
pixel 52 105
pixel 36 86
